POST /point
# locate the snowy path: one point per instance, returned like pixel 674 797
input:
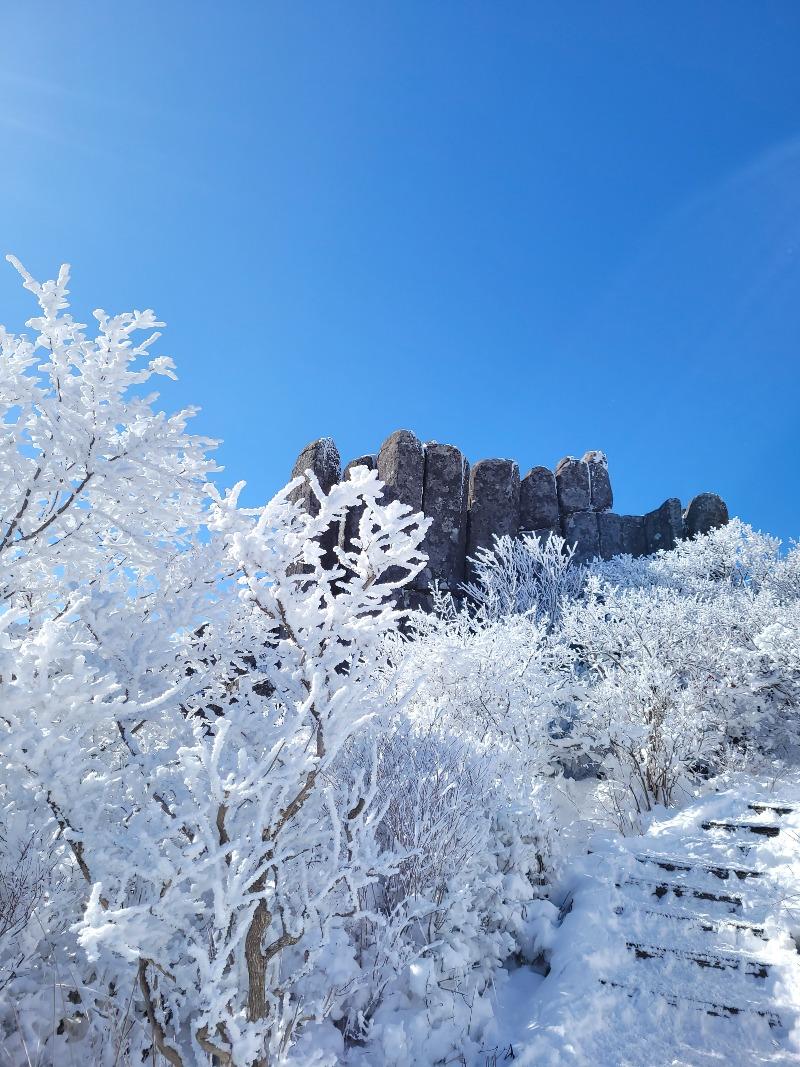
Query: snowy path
pixel 677 948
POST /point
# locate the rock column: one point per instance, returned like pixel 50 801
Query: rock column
pixel 445 498
pixel 574 486
pixel 663 527
pixel 610 529
pixel 538 503
pixel 599 481
pixel 401 467
pixel 322 458
pixel 633 539
pixel 705 512
pixel 493 503
pixel 584 500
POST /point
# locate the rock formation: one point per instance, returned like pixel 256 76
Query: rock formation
pixel 633 536
pixel 445 500
pixel 469 508
pixel 705 512
pixel 599 481
pixel 574 486
pixel 493 503
pixel 538 502
pixel 321 457
pixel 611 534
pixel 401 467
pixel 664 526
pixel 582 532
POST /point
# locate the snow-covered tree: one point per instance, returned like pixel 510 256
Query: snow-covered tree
pixel 174 709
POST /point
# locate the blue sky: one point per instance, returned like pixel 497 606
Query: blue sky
pixel 527 229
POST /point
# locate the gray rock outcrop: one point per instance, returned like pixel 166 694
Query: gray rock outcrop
pixel 663 527
pixel 574 486
pixel 610 530
pixel 401 467
pixel 633 538
pixel 538 501
pixel 581 530
pixel 705 512
pixel 493 502
pixel 445 500
pixel 599 482
pixel 469 509
pixel 322 458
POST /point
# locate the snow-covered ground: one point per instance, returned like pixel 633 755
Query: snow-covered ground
pixel 515 1014
pixel 676 947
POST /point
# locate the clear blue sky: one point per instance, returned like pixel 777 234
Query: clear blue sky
pixel 528 229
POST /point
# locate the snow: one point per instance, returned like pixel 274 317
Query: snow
pixel 516 996
pixel 572 1017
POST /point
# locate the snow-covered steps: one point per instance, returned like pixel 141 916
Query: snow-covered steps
pixel 723 871
pixel 772 808
pixel 762 829
pixel 676 946
pixel 701 923
pixel 661 888
pixel 710 1007
pixel 705 971
pixel 754 968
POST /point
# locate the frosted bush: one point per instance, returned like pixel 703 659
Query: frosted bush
pixel 467 895
pixel 733 555
pixel 654 673
pixel 175 704
pixel 525 574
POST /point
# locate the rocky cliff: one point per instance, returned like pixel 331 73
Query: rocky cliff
pixel 469 507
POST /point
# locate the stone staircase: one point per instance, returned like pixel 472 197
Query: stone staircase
pixel 694 926
pixel 719 928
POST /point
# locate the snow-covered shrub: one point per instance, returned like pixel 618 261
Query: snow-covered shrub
pixel 649 707
pixel 766 695
pixel 26 879
pixel 465 775
pixel 525 574
pixel 99 499
pixel 654 674
pixel 783 579
pixel 467 894
pixel 498 680
pixel 733 556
